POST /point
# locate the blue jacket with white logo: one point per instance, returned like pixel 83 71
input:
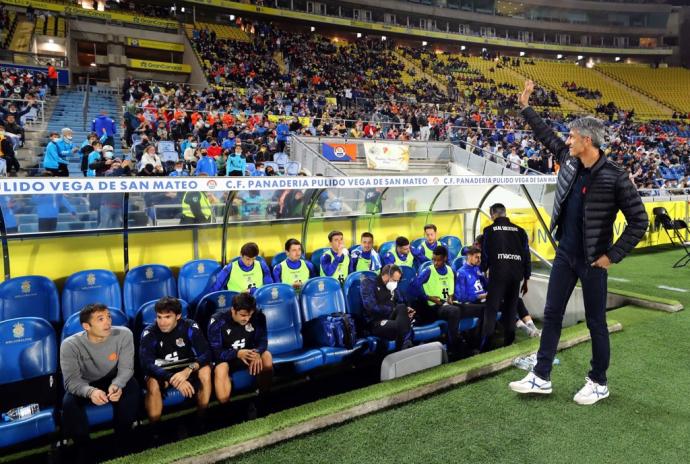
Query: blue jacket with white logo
pixel 470 282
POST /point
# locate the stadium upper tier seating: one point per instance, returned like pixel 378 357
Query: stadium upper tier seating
pixel 553 74
pixel 671 86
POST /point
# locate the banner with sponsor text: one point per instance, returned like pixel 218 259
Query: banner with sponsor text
pixel 38 186
pixel 387 157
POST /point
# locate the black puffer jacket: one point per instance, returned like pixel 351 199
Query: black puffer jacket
pixel 610 190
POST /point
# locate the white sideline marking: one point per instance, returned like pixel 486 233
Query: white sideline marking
pixel 619 279
pixel 664 287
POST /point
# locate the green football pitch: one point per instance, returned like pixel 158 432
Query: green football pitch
pixel 646 418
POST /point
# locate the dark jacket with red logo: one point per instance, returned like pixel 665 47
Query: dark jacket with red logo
pixel 610 190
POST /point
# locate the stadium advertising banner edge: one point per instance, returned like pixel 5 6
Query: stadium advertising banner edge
pixel 222 184
pixel 159 66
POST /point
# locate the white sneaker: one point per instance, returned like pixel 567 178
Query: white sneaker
pixel 591 392
pixel 533 331
pixel 531 384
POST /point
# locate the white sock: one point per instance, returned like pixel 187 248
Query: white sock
pixel 522 326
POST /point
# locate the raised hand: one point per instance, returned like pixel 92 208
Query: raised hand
pixel 526 93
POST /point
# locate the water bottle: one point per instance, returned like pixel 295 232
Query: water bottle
pixel 20 412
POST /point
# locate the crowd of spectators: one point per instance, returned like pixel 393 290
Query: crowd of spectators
pixel 4 19
pixel 582 92
pixel 20 94
pixel 254 107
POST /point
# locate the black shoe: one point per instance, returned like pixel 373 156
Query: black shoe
pixel 199 422
pixel 252 412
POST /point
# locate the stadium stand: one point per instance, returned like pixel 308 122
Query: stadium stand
pixel 668 86
pixel 554 73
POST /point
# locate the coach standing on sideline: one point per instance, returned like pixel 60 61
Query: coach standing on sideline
pixel 589 194
pixel 505 254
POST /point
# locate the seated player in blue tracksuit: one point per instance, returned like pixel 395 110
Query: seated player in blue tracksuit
pixel 364 257
pixel 244 274
pixel 295 270
pixel 470 290
pixel 403 255
pixel 239 340
pixel 425 251
pixel 335 262
pixel 470 281
pixel 173 352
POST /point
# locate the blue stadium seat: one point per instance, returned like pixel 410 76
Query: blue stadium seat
pixel 353 298
pixel 210 304
pixel 279 304
pixel 322 296
pixel 278 258
pixel 404 286
pixel 385 247
pixel 146 283
pixel 27 228
pixel 429 332
pixel 316 259
pixel 195 276
pixel 73 326
pixel 453 243
pixel 292 168
pixel 458 263
pixel 92 286
pixel 416 243
pixel 424 265
pixel 29 296
pixel 468 324
pixel 28 350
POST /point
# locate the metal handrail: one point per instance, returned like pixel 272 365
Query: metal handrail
pixel 85 105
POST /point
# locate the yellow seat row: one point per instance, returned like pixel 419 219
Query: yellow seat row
pixel 552 75
pixel 223 32
pixel 670 86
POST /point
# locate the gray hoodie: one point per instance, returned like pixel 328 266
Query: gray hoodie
pixel 84 362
